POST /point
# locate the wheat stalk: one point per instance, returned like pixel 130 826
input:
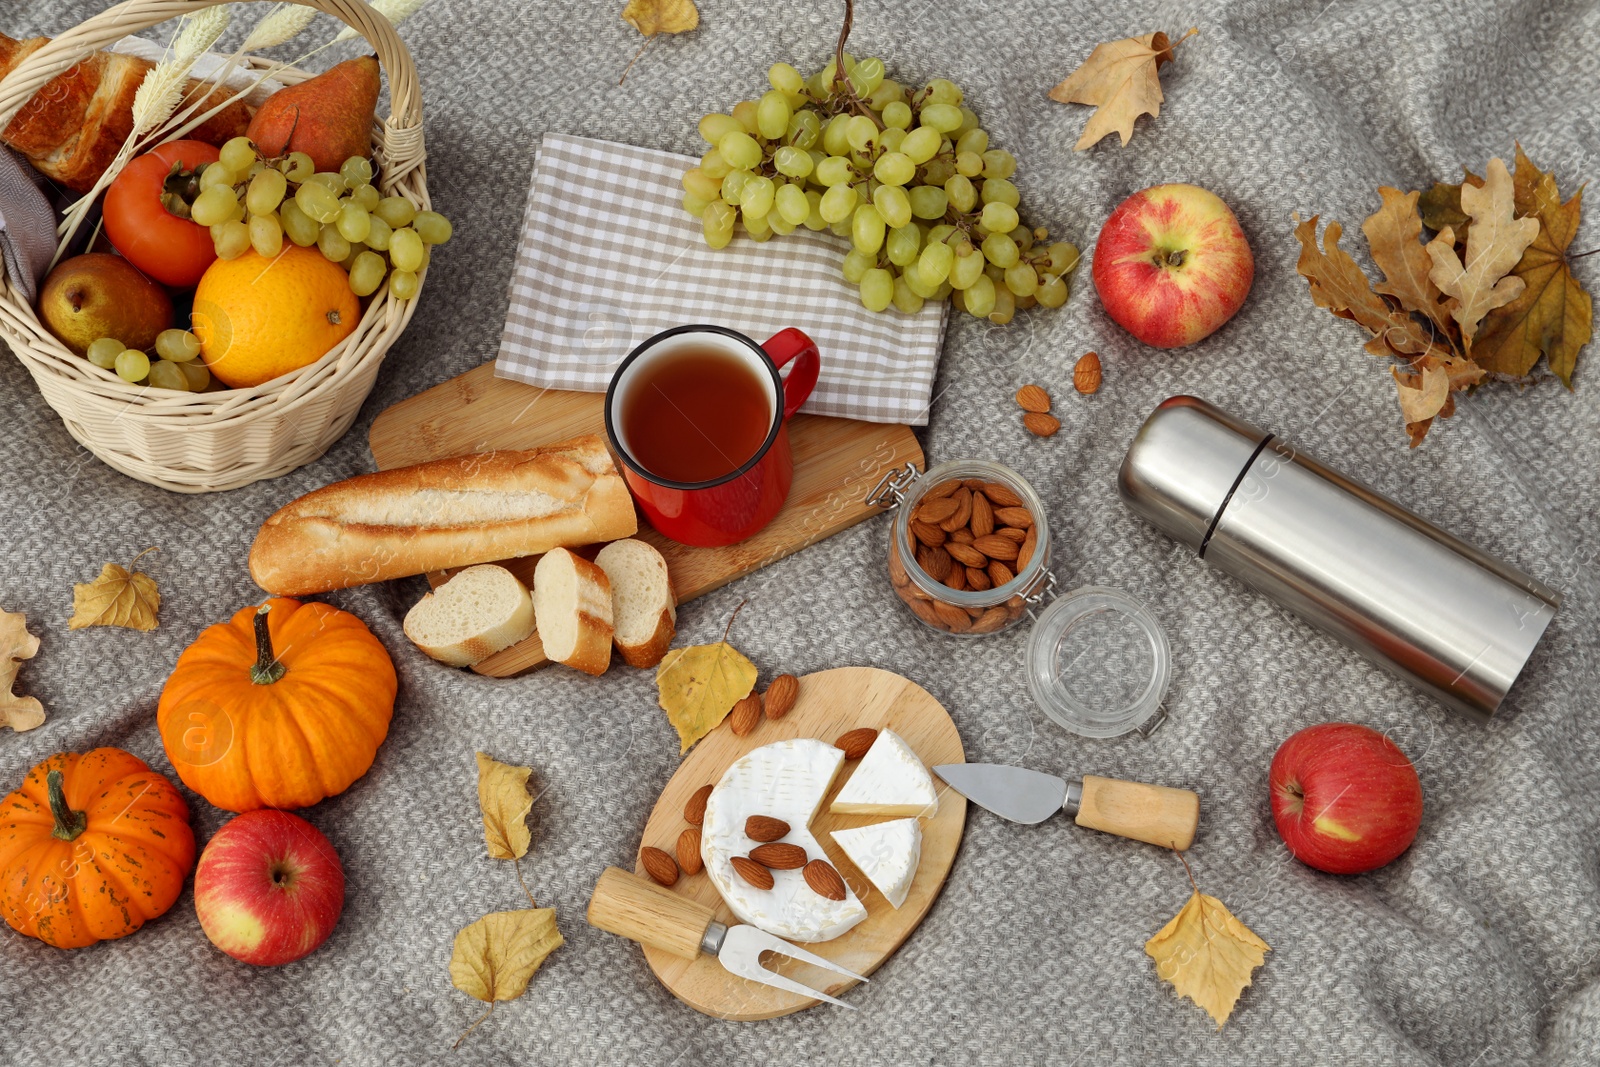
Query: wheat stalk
pixel 162 88
pixel 281 25
pixel 396 11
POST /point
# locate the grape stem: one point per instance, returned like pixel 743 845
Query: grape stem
pixel 841 80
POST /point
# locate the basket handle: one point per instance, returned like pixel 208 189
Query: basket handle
pixel 402 129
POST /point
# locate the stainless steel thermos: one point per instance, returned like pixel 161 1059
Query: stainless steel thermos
pixel 1451 620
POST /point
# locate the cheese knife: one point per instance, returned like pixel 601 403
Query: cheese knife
pixel 1152 813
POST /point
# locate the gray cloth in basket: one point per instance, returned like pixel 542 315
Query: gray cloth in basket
pixel 27 225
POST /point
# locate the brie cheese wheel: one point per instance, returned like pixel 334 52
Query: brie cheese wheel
pixel 890 781
pixel 786 780
pixel 887 853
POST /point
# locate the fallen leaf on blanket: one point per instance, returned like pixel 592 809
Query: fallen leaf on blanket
pixel 16 645
pixel 494 958
pixel 505 802
pixel 1394 236
pixel 699 685
pixel 1120 80
pixel 1339 285
pixel 651 17
pixel 1441 206
pixel 1421 398
pixel 117 597
pixel 1495 244
pixel 1207 954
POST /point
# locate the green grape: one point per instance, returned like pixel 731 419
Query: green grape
pixel 834 140
pixel 888 92
pixel 195 374
pixel 103 351
pixel 928 202
pixel 432 227
pixel 938 171
pixel 237 154
pixel 757 228
pixel 805 129
pixel 856 263
pixel 1000 191
pixel 974 141
pixel 867 76
pixel 785 78
pixel 1000 250
pixel 998 163
pixel 903 244
pixel 167 375
pixel 357 170
pixel 717 223
pixel 378 236
pixel 938 233
pixel 838 203
pixel 692 204
pixel 700 183
pixel 213 175
pixel 968 267
pixel 998 217
pixel 897 116
pixel 1005 305
pixel 861 132
pixel 877 289
pixel 969 121
pixel 963 197
pixel 893 204
pixel 366 273
pixel 712 165
pixel 794 162
pixel 941 117
pixel 1022 279
pixel 1052 291
pixel 969 164
pixel 333 246
pixel 867 229
pixel 861 161
pixel 935 262
pixel 835 170
pixel 740 150
pixel 814 220
pixel 331 180
pixel 266 192
pixel 791 204
pixel 840 228
pixel 755 199
pixel 715 126
pixel 397 211
pixel 994 272
pixel 179 346
pixel 894 168
pixel 319 202
pixel 367 196
pixel 921 144
pixel 405 249
pixel 979 297
pixel 733 185
pixel 213 206
pixel 773 114
pixel 301 228
pixel 904 299
pixel 354 222
pixel 780 225
pixel 891 139
pixel 920 283
pixel 231 239
pixel 132 365
pixel 944 91
pixel 745 113
pixel 1023 237
pixel 266 236
pixel 1064 257
pixel 404 285
pixel 297 167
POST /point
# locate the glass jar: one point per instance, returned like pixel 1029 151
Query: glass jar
pixel 965 600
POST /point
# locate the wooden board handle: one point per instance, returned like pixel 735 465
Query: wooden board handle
pixel 1151 813
pixel 639 910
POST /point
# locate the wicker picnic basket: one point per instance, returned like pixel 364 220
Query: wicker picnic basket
pixel 206 442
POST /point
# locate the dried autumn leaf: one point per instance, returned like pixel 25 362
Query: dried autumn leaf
pixel 1120 80
pixel 651 17
pixel 1207 955
pixel 494 958
pixel 699 685
pixel 116 598
pixel 1339 285
pixel 1394 236
pixel 16 645
pixel 1421 398
pixel 505 802
pixel 1495 244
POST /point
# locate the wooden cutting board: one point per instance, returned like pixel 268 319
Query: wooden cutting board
pixel 831 703
pixel 836 464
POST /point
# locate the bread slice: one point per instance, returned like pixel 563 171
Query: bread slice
pixel 472 616
pixel 572 609
pixel 642 608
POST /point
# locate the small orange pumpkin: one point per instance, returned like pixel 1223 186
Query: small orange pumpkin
pixel 92 847
pixel 280 706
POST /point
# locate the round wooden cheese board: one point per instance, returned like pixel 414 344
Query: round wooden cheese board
pixel 830 704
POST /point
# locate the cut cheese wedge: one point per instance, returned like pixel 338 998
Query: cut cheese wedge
pixel 891 780
pixel 887 853
pixel 786 780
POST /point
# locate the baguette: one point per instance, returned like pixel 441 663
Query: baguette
pixel 448 513
pixel 572 610
pixel 643 615
pixel 475 614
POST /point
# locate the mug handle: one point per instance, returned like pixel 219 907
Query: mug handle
pixel 793 344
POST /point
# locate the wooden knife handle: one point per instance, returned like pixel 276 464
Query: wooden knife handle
pixel 639 910
pixel 1151 813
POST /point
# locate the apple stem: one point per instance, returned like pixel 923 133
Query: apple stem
pixel 1176 257
pixel 69 823
pixel 267 669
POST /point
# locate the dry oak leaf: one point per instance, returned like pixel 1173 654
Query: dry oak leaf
pixel 1119 79
pixel 1339 285
pixel 651 17
pixel 1394 236
pixel 16 645
pixel 699 685
pixel 1207 955
pixel 505 802
pixel 1421 398
pixel 1494 245
pixel 116 598
pixel 494 958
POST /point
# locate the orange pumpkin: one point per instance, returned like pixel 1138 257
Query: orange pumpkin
pixel 92 847
pixel 280 706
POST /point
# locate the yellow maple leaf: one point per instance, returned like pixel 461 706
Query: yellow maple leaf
pixel 699 685
pixel 505 802
pixel 1119 78
pixel 16 645
pixel 651 17
pixel 116 598
pixel 1495 244
pixel 1207 955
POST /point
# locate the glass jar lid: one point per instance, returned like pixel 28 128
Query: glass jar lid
pixel 1098 662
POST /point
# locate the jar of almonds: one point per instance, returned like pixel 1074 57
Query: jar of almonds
pixel 970 545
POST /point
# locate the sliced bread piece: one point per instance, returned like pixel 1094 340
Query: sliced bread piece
pixel 642 608
pixel 477 613
pixel 572 607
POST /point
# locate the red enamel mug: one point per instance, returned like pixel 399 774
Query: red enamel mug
pixel 735 505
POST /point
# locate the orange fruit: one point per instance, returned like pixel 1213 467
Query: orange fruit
pixel 258 318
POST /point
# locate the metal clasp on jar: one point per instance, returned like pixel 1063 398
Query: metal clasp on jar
pixel 890 492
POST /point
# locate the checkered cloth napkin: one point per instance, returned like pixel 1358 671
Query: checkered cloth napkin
pixel 608 258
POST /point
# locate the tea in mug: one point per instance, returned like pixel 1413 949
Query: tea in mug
pixel 695 415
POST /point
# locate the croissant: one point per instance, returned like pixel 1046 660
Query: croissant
pixel 73 127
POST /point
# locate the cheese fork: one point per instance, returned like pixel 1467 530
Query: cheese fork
pixel 632 907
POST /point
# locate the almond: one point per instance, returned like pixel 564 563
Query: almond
pixel 694 811
pixel 1001 496
pixel 1033 398
pixel 974 484
pixel 942 489
pixel 967 555
pixel 765 828
pixel 924 611
pixel 956 579
pixel 1021 518
pixel 963 537
pixel 856 742
pixel 824 880
pixel 689 851
pixel 1086 375
pixel 780 856
pixel 991 620
pixel 996 547
pixel 934 512
pixel 963 513
pixel 978 579
pixel 780 696
pixel 1040 424
pixel 954 619
pixel 662 868
pixel 1026 550
pixel 982 522
pixel 999 573
pixel 745 715
pixel 1013 533
pixel 935 562
pixel 897 570
pixel 929 534
pixel 752 872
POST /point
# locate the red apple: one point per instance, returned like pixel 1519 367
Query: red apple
pixel 1345 798
pixel 269 888
pixel 1172 265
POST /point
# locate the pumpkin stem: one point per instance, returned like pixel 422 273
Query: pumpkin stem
pixel 69 823
pixel 267 669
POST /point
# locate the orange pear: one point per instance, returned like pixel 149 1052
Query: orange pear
pixel 328 117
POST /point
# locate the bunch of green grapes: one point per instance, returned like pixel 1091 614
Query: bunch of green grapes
pixel 176 365
pixel 250 201
pixel 909 177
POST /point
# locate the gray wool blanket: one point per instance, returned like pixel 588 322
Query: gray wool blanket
pixel 1481 945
